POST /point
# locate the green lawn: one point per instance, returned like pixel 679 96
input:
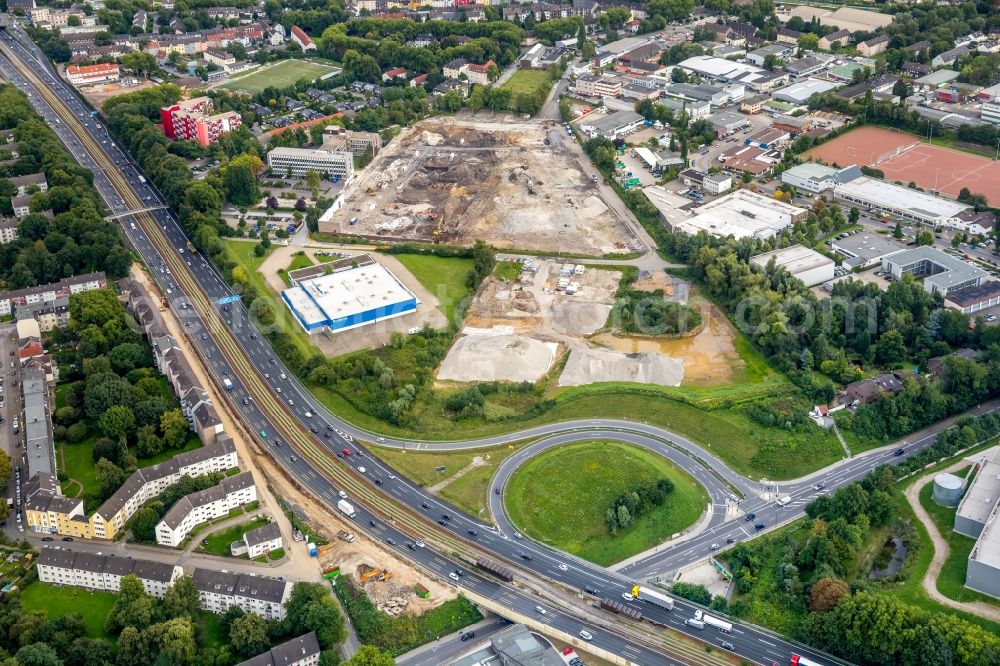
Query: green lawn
pixel 444 277
pixel 299 260
pixel 469 491
pixel 560 497
pixel 951 580
pixel 55 601
pixel 218 542
pixel 78 464
pixel 507 270
pixel 241 253
pixel 527 80
pixel 279 75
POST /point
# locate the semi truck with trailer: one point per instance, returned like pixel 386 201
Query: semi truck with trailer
pixel 721 625
pixel 347 508
pixel 802 661
pixel 653 597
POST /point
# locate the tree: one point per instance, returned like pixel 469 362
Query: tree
pixel 133 607
pixel 581 36
pixel 5 468
pixel 310 608
pixel 37 654
pixel 181 600
pixel 174 427
pixel 240 181
pixel 808 41
pixel 369 655
pixel 312 177
pixel 692 592
pixel 826 594
pixel 110 477
pixel 248 635
pixel 139 62
pixel 173 641
pixel 897 231
pixel 118 422
pixel 148 443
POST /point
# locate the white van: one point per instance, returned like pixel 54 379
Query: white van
pixel 541 611
pixel 784 500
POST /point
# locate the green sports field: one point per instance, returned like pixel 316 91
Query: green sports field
pixel 280 75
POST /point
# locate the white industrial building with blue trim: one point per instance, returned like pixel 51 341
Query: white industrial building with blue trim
pixel 345 294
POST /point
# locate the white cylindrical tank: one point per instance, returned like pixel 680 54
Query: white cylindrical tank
pixel 947 489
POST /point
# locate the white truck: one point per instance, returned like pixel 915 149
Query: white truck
pixel 653 597
pixel 721 625
pixel 347 508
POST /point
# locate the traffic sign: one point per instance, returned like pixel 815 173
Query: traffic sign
pixel 228 299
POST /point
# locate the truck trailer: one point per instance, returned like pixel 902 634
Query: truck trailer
pixel 653 597
pixel 721 625
pixel 802 661
pixel 347 508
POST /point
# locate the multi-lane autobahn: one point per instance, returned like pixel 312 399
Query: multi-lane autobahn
pixel 306 439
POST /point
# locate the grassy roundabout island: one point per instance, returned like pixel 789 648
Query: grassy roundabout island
pixel 561 497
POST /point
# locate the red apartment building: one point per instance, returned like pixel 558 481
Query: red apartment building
pixel 191 120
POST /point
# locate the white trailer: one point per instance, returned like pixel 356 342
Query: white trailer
pixel 653 597
pixel 721 625
pixel 347 508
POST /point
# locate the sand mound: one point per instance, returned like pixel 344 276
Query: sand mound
pixel 586 366
pixel 498 356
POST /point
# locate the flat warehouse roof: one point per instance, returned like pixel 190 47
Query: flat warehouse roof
pixel 866 246
pixel 795 259
pixel 898 197
pixel 345 293
pixel 981 497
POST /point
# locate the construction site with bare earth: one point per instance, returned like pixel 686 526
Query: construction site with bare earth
pixel 456 182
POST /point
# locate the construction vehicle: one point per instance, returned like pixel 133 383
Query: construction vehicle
pixel 653 597
pixel 344 535
pixel 367 573
pixel 370 190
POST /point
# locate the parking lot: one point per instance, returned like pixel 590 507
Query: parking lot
pixel 10 405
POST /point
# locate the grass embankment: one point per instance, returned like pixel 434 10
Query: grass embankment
pixel 468 491
pixel 560 497
pixel 242 254
pixel 218 542
pixel 951 580
pixel 444 277
pixel 299 260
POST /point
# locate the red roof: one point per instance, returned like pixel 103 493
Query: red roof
pixel 417 80
pixel 481 69
pixel 72 70
pixel 396 71
pixel 301 35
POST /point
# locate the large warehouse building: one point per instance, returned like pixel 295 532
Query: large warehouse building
pixel 977 517
pixel 743 214
pixel 900 201
pixel 864 250
pixel 345 294
pixel 817 178
pixel 807 265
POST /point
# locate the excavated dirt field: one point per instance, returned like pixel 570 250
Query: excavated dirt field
pixel 515 330
pixel 456 182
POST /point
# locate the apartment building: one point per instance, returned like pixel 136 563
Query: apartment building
pixel 301 651
pixel 262 540
pixel 479 73
pixel 48 293
pixel 85 75
pixel 60 566
pixel 300 161
pixel 190 119
pixel 219 591
pixel 54 314
pixel 26 184
pixel 45 515
pixel 8 230
pixel 201 507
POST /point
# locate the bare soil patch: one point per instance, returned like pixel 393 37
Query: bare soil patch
pixel 460 180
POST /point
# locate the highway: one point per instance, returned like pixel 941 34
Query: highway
pixel 323 454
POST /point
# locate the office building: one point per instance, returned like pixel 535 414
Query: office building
pixel 863 250
pixel 300 161
pixel 941 272
pixel 336 137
